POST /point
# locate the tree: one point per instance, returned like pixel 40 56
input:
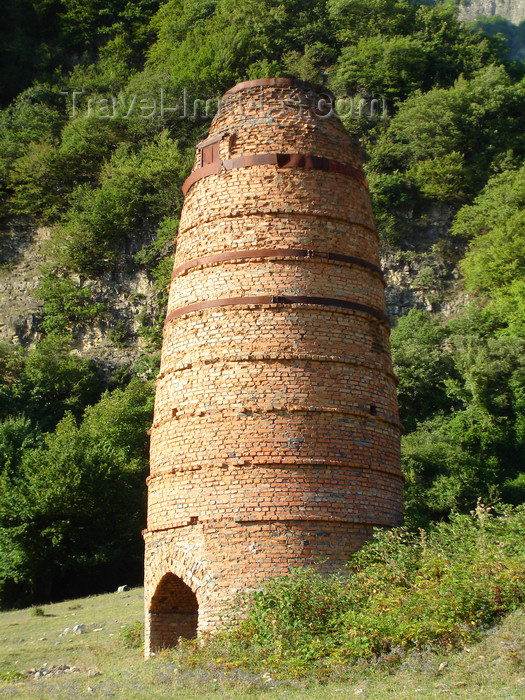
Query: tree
pixel 46 381
pixel 422 366
pixel 362 18
pixel 494 264
pixel 446 142
pixel 72 511
pixel 477 449
pixel 392 67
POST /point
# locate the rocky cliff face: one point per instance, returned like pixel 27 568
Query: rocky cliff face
pixel 21 255
pixel 423 272
pixel 511 10
pixel 129 297
pixel 425 278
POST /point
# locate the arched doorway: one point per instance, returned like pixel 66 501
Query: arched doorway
pixel 174 613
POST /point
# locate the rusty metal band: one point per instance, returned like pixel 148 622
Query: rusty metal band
pixel 270 299
pixel 281 160
pixel 274 253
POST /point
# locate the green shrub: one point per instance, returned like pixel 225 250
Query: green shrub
pixel 158 257
pixel 402 591
pixel 67 305
pixel 12 676
pixel 393 198
pixel 135 188
pixel 502 197
pixel 132 636
pixel 422 366
pixel 472 442
pixel 29 132
pixel 118 335
pixel 36 181
pixel 392 67
pixel 450 158
pixel 42 384
pixel 150 329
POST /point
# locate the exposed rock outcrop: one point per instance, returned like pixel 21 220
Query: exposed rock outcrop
pixel 21 256
pixel 129 296
pixel 511 10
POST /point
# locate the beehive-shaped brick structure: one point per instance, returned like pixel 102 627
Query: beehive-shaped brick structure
pixel 275 440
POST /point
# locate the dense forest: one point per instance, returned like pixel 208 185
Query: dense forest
pixel 73 437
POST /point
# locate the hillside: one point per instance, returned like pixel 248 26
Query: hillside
pixel 89 206
pixel 498 17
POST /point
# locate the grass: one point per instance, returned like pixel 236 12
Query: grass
pixel 441 614
pixel 402 593
pixel 491 668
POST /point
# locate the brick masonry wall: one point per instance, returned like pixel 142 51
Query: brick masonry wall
pixel 275 440
pixel 277 229
pixel 293 277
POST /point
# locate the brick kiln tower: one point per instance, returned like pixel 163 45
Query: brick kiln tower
pixel 275 440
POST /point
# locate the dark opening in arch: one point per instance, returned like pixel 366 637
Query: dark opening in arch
pixel 174 613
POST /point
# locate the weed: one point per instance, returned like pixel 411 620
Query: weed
pixel 401 592
pixel 132 636
pixel 11 676
pixel 118 335
pixel 191 675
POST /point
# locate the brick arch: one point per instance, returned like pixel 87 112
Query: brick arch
pixel 179 571
pixel 184 566
pixel 173 612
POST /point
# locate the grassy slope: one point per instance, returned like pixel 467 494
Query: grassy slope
pixel 493 668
